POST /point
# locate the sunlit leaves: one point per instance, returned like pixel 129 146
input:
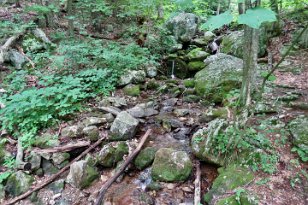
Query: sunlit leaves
pixel 256 16
pixel 218 21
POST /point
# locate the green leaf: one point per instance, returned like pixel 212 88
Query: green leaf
pixel 217 21
pixel 256 16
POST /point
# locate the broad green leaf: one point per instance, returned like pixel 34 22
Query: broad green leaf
pixel 217 21
pixel 256 16
pixel 183 3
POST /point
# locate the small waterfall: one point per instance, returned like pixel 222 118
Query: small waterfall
pixel 172 70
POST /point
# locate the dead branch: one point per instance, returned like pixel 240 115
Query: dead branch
pixel 126 163
pixel 64 148
pixel 55 176
pixel 197 197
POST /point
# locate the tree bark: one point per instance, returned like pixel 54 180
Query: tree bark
pixel 251 45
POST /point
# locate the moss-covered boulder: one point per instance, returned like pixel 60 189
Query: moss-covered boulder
pixel 171 165
pixel 18 183
pixel 204 142
pixel 132 90
pixel 145 157
pixel 229 179
pixel 112 153
pixel 81 175
pixel 222 74
pixel 189 83
pixel 196 65
pixel 299 130
pixel 197 54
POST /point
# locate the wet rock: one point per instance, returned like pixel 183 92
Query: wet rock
pixel 189 83
pixel 228 180
pixel 299 130
pixel 46 140
pixel 71 131
pixel 183 26
pixel 96 121
pixel 81 175
pixel 59 157
pixel 18 183
pixel 143 110
pixel 91 132
pixel 181 112
pixel 151 71
pixel 112 153
pixel 197 54
pixel 17 59
pixel 124 127
pixel 171 165
pixel 221 74
pixel 204 141
pixel 145 157
pixel 132 90
pixel 48 167
pixel 128 194
pixel 196 65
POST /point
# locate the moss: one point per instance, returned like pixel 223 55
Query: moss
pixel 90 175
pixel 18 183
pixel 152 85
pixel 244 199
pixel 196 65
pixel 191 98
pixel 229 179
pixel 110 154
pixel 189 83
pixel 145 157
pixel 132 90
pixel 197 54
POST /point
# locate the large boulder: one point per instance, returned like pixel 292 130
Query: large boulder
pixel 18 183
pixel 204 141
pixel 124 126
pixel 221 74
pixel 81 174
pixel 171 165
pixel 299 130
pixel 183 26
pixel 112 153
pixel 229 179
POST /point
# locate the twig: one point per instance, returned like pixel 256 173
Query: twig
pixel 281 60
pixel 126 163
pixel 55 176
pixel 64 148
pixel 197 184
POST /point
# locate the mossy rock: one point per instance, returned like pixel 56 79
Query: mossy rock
pixel 197 54
pixel 244 199
pixel 171 165
pixel 212 114
pixel 145 157
pixel 112 153
pixel 191 98
pixel 189 83
pixel 46 141
pixel 229 179
pixel 18 183
pixel 132 90
pixel 299 130
pixel 196 65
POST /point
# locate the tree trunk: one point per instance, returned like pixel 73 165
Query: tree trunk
pixel 251 45
pixel 240 8
pixel 70 16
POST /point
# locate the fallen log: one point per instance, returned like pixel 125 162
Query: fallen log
pixel 122 168
pixel 64 148
pixel 55 176
pixel 197 197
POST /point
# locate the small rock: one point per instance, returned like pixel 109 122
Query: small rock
pixel 151 71
pixel 57 187
pixel 132 90
pixel 35 160
pixel 91 132
pixel 181 112
pixel 117 101
pixel 124 127
pixel 170 102
pixel 112 153
pixel 71 131
pixel 81 175
pixel 40 34
pixel 48 167
pixel 96 121
pixel 143 110
pixel 59 157
pixel 17 59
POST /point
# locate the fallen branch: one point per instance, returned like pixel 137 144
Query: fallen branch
pixel 197 197
pixel 4 48
pixel 281 60
pixel 64 148
pixel 55 176
pixel 122 168
pixel 20 164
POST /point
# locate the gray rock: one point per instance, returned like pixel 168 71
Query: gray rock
pixel 299 130
pixel 59 157
pixel 71 131
pixel 183 26
pixel 35 160
pixel 46 140
pixel 117 101
pixel 181 133
pixel 81 175
pixel 57 186
pixel 232 44
pixel 17 59
pixel 135 76
pixel 124 126
pixel 40 34
pixel 170 165
pixel 151 71
pixel 170 102
pixel 181 112
pixel 94 121
pixel 48 167
pixel 197 54
pixel 112 153
pixel 143 110
pixel 91 132
pixel 221 74
pixel 18 183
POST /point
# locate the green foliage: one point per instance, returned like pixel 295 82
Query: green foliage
pixel 14 26
pixel 256 16
pixel 271 78
pixel 218 21
pixel 301 153
pixel 4 176
pixel 9 162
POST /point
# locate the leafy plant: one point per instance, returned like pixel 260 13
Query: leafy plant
pixel 4 176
